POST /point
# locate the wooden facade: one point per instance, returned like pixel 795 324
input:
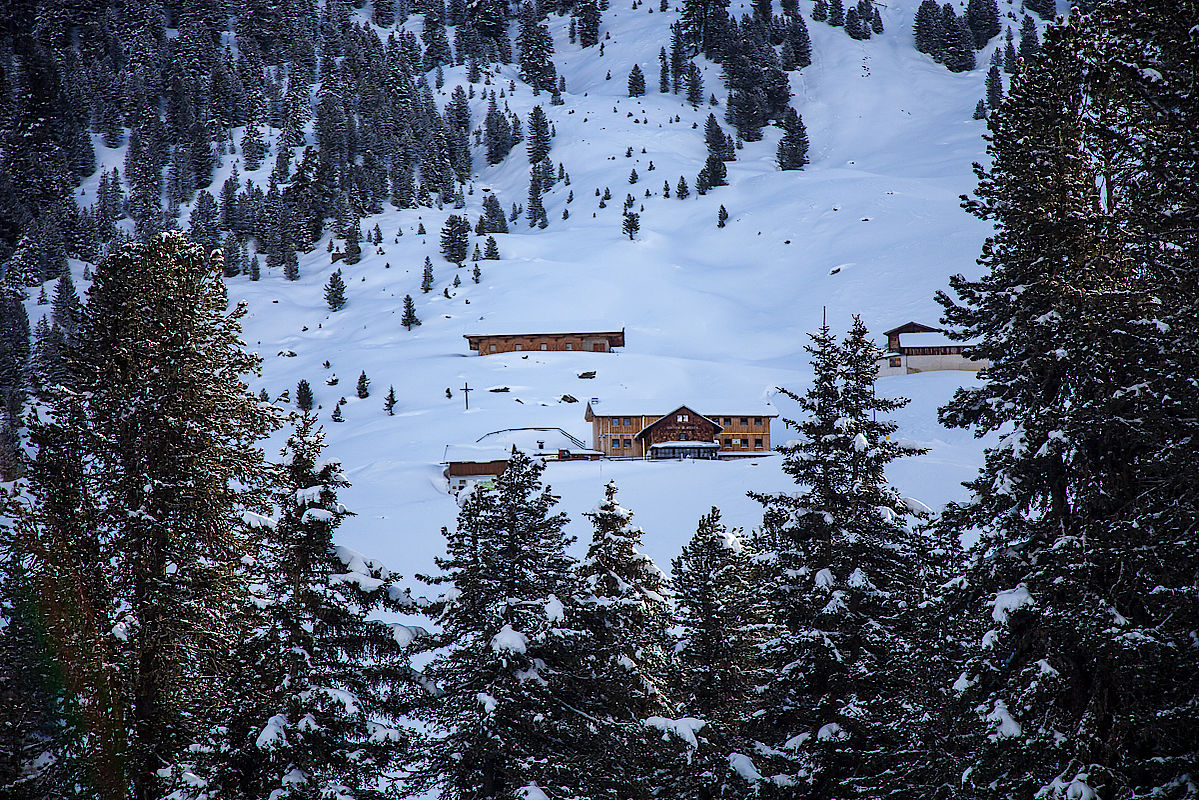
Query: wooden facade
pixel 901 359
pixel 587 342
pixel 634 436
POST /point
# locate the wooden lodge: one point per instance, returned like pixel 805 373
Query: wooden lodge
pixel 488 457
pixel 924 349
pixel 486 344
pixel 633 429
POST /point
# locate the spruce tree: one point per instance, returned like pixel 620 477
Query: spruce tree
pixel 631 224
pixel 426 281
pixel 846 568
pixel 363 389
pixel 983 18
pixel 409 319
pixel 134 533
pixel 539 138
pixel 455 238
pixel 304 397
pixel 335 291
pixel 1079 674
pixel 636 81
pixel 505 717
pixel 792 152
pixel 726 625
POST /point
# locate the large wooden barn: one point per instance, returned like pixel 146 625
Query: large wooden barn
pixel 923 349
pixel 500 341
pixel 656 429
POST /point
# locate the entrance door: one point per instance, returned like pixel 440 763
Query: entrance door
pixel 599 347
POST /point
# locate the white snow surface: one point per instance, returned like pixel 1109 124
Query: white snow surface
pixel 509 641
pixel 872 226
pixel 1010 600
pixel 684 728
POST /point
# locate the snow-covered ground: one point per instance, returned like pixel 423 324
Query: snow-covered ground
pixel 871 227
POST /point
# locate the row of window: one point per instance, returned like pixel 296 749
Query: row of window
pixel 491 348
pixel 618 422
pixel 741 443
pixel 616 445
pixel 627 444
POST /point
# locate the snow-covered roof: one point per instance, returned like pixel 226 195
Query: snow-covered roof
pixel 711 406
pixel 535 440
pixel 487 327
pixel 476 454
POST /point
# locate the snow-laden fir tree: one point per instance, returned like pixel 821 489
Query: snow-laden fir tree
pixel 726 626
pixel 322 684
pixel 133 534
pixel 845 573
pixel 335 291
pixel 1079 676
pixel 792 151
pixel 625 668
pixel 506 718
pixel 409 319
pixel 363 390
pixel 304 395
pixel 426 280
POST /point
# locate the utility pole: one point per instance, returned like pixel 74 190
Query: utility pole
pixel 466 390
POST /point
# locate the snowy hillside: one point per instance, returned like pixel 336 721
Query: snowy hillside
pixel 870 227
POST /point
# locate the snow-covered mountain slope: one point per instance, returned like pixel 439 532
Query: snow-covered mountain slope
pixel 870 227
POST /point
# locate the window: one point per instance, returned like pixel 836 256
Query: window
pixel 616 443
pixel 758 421
pixel 626 421
pixel 682 437
pixel 570 346
pixel 491 348
pixel 736 443
pixel 896 361
pixel 519 347
pixel 545 347
pixel 745 420
pixel 758 443
pixel 728 420
pixel 682 418
pixel 628 442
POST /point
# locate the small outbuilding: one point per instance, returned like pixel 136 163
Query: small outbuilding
pixel 924 349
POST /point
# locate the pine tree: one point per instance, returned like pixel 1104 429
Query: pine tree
pixel 589 21
pixel 304 395
pixel 335 291
pixel 505 717
pixel 455 238
pixel 695 85
pixel 426 283
pixel 726 625
pixel 722 217
pixel 1010 59
pixel 409 319
pixel 792 152
pixel 491 250
pixel 1079 676
pixel 329 682
pixel 364 386
pixel 983 18
pixel 389 402
pixel 636 81
pixel 539 138
pixel 138 606
pixel 836 13
pixel 681 190
pixel 536 51
pixel 631 224
pixel 994 87
pixel 846 566
pixel 1030 41
pixel 625 612
pixel 926 29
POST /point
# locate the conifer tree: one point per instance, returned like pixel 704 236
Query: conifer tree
pixel 139 606
pixel 364 386
pixel 506 720
pixel 304 395
pixel 389 402
pixel 455 238
pixel 846 568
pixel 539 138
pixel 636 81
pixel 994 85
pixel 329 683
pixel 625 612
pixel 983 18
pixel 335 291
pixel 1078 677
pixel 409 319
pixel 426 282
pixel 725 627
pixel 792 152
pixel 631 224
pixel 589 22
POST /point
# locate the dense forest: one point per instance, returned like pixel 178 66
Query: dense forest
pixel 179 620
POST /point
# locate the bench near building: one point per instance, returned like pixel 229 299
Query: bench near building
pixel 650 429
pixel 498 341
pixel 923 349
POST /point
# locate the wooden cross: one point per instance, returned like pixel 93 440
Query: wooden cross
pixel 466 390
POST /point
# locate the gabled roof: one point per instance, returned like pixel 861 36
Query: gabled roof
pixel 663 418
pixel 912 327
